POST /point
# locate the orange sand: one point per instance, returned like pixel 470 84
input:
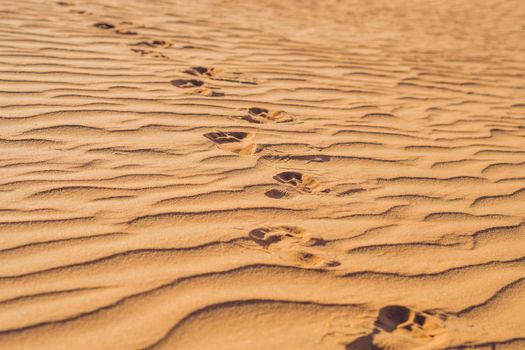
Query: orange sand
pixel 263 174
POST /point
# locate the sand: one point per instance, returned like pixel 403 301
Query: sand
pixel 262 174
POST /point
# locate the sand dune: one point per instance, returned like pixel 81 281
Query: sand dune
pixel 262 174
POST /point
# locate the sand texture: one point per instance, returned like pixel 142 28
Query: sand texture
pixel 271 174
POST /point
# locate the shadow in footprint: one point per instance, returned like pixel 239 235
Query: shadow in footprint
pixel 106 26
pixel 276 193
pixel 153 43
pixel 362 343
pixel 219 74
pixel 187 83
pixel 151 48
pixel 151 53
pixel 223 137
pixel 400 327
pixel 315 158
pixel 301 182
pixel 309 259
pixel 125 32
pixel 262 115
pixel 102 25
pixel 266 236
pixel 197 86
pixel 237 142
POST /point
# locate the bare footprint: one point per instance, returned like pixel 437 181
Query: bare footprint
pixel 301 182
pixel 196 86
pixel 220 74
pixel 401 328
pixel 291 243
pixel 262 115
pixel 237 142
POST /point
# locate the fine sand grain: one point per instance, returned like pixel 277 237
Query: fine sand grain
pixel 271 174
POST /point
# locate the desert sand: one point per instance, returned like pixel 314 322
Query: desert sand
pixel 272 174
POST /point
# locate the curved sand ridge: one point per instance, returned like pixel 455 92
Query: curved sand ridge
pixel 262 175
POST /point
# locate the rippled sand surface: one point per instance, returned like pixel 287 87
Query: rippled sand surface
pixel 262 174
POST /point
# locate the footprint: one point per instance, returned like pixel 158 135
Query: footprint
pixel 292 243
pixel 106 26
pixel 273 156
pixel 102 25
pixel 153 44
pixel 197 86
pixel 150 53
pixel 301 182
pixel 262 115
pixel 276 193
pixel 68 4
pixel 401 328
pixel 312 260
pixel 266 236
pixel 237 142
pixel 154 47
pixel 125 32
pixel 184 83
pixel 395 317
pixel 220 74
